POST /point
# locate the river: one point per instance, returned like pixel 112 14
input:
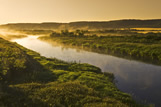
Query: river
pixel 141 80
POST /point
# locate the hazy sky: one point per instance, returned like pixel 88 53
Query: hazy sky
pixel 12 11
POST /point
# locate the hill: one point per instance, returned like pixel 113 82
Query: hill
pixel 30 80
pixel 154 23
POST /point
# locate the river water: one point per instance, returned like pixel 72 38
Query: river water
pixel 141 80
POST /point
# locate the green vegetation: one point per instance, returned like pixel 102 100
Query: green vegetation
pixel 144 47
pixel 30 80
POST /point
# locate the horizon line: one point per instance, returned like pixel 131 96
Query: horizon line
pixel 79 21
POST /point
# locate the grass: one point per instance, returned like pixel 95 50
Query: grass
pixel 28 79
pixel 143 47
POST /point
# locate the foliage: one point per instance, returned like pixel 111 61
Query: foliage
pixel 45 82
pixel 144 47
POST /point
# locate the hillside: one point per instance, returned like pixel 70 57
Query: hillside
pixel 155 23
pixel 28 79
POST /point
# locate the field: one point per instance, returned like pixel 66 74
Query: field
pixel 28 79
pixel 147 30
pixel 143 47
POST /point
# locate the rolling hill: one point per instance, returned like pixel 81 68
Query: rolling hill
pixel 130 23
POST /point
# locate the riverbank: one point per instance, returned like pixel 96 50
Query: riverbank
pixel 28 79
pixel 145 47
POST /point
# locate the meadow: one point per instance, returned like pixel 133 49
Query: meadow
pixel 137 46
pixel 28 79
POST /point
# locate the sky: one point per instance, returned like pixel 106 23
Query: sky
pixel 36 11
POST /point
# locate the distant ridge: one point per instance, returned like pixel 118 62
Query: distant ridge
pixel 125 23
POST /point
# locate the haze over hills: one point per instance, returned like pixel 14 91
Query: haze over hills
pixel 126 23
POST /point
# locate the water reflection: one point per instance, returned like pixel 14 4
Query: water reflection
pixel 140 79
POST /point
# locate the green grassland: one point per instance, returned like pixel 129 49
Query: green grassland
pixel 143 47
pixel 30 80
